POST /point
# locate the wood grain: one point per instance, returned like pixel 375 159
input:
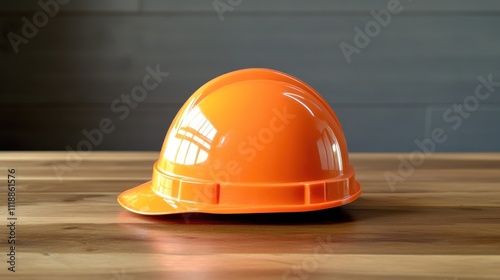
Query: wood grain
pixel 442 222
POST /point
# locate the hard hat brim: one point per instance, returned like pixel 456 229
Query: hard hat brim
pixel 143 200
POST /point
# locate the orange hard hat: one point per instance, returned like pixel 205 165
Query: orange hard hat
pixel 250 141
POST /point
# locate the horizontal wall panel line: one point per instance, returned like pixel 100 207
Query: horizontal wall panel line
pixel 255 13
pixel 159 105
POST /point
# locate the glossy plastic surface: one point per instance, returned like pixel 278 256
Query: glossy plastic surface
pixel 250 141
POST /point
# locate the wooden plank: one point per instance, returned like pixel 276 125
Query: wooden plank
pixel 371 167
pixel 225 266
pixel 116 185
pixel 444 225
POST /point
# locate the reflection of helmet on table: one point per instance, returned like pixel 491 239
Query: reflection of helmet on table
pixel 250 141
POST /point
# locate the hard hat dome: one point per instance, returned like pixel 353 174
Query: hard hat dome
pixel 254 140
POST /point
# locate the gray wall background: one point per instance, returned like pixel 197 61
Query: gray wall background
pixel 393 92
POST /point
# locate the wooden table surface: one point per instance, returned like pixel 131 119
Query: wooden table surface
pixel 441 222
